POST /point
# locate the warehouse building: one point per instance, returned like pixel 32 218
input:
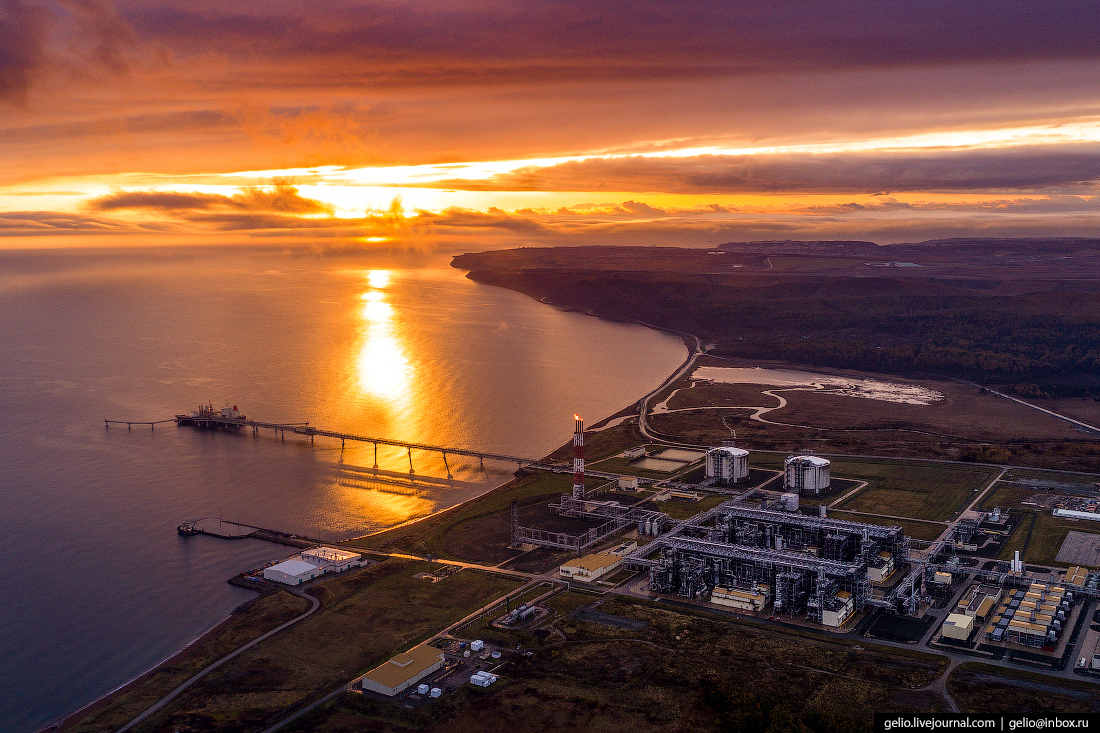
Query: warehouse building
pixel 402 672
pixel 958 627
pixel 292 572
pixel 591 567
pixel 332 560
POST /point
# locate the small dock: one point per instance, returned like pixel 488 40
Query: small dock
pixel 227 530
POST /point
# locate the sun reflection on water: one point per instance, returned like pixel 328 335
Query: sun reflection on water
pixel 384 370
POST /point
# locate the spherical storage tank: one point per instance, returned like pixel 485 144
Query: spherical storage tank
pixel 727 464
pixel 808 475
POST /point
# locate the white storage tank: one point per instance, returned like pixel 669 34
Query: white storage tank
pixel 727 465
pixel 806 475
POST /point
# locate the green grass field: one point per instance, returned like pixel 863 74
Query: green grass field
pixel 685 509
pixel 1042 539
pixel 926 531
pixel 916 491
pixel 1006 496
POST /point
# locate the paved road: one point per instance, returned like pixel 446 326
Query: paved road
pixel 1091 428
pixel 643 404
pixel 315 604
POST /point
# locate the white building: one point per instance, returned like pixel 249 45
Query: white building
pixel 838 609
pixel 727 464
pixel 628 483
pixel 789 501
pixel 292 572
pixel 332 560
pixel 880 569
pixel 808 475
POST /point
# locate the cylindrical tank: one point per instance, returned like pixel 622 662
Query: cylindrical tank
pixel 727 465
pixel 649 526
pixel 807 475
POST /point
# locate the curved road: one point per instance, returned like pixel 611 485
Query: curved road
pixel 316 603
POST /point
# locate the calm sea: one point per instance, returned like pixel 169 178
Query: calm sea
pixel 99 585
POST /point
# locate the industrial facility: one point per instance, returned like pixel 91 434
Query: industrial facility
pixel 591 567
pixel 581 503
pixel 812 566
pixel 1032 616
pixel 401 672
pixel 806 475
pixel 727 465
pixel 312 564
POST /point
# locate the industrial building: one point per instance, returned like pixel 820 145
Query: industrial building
pixel 743 600
pixel 806 561
pixel 313 563
pixel 332 560
pixel 979 601
pixel 958 627
pixel 292 572
pixel 881 566
pixel 402 672
pixel 1031 617
pixel 838 609
pixel 1076 576
pixel 727 465
pixel 807 475
pixel 628 483
pixel 591 567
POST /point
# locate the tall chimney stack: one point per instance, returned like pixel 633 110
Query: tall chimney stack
pixel 578 459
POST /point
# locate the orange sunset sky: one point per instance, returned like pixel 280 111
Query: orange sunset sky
pixel 484 124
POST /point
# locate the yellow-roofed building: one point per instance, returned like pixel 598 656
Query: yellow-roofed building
pixel 403 671
pixel 590 567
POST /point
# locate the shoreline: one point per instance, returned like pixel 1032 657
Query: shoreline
pixel 103 700
pixel 69 719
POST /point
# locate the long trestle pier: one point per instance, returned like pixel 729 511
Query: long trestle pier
pixel 231 423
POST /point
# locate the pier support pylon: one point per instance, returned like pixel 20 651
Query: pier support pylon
pixel 411 471
pixel 376 456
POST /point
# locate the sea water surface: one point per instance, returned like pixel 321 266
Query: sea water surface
pixel 99 586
